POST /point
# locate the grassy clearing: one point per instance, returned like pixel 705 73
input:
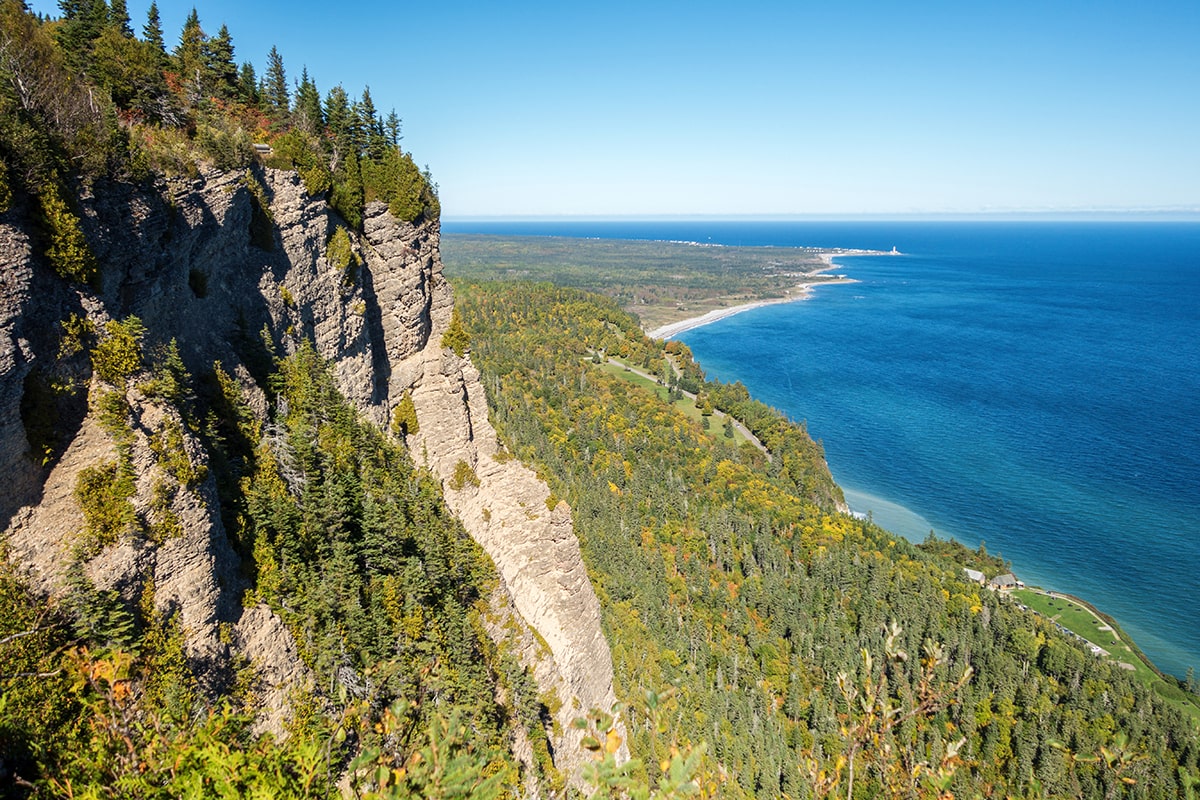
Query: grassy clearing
pixel 684 405
pixel 1078 619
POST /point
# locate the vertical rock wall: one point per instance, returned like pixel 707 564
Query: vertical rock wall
pixel 231 266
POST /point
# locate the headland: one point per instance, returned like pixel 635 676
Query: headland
pixel 801 291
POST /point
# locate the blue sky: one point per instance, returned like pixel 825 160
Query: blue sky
pixel 774 108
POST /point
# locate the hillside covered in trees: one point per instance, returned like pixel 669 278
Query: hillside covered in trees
pixel 764 643
pixel 808 649
pixel 85 98
pixel 237 539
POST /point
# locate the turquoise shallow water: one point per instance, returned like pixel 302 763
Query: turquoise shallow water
pixel 1032 384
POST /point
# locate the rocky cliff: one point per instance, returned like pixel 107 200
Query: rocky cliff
pixel 232 265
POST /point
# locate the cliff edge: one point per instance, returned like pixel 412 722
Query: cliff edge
pixel 235 266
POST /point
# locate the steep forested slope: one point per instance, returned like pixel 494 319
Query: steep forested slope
pixel 346 540
pixel 800 643
pixel 221 571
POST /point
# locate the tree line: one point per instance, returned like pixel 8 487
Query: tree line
pixel 813 653
pixel 84 97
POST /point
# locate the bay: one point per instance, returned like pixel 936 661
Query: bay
pixel 1034 385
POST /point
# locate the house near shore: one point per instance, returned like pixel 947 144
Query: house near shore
pixel 975 575
pixel 1005 583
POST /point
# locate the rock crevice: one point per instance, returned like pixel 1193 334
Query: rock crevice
pixel 192 260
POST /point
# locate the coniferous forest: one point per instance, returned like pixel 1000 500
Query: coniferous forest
pixel 806 648
pixel 765 643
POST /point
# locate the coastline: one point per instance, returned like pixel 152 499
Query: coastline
pixel 803 290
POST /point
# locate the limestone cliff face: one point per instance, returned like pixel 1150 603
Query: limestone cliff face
pixel 219 264
pixel 506 507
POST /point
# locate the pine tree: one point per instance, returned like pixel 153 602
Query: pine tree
pixel 221 69
pixel 118 17
pixel 152 31
pixel 392 128
pixel 275 88
pixel 371 128
pixel 189 55
pixel 82 23
pixel 307 115
pixel 248 83
pixel 338 117
pixel 131 71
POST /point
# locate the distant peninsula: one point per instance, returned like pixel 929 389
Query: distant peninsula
pixel 671 286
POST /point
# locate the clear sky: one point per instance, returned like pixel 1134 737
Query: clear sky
pixel 778 108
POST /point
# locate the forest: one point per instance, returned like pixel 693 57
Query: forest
pixel 659 281
pixel 765 643
pixel 82 98
pixel 809 650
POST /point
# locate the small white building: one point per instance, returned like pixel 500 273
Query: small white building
pixel 974 575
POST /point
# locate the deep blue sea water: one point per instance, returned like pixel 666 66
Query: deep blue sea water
pixel 1032 384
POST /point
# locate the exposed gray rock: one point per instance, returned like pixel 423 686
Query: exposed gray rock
pixel 203 262
pixel 533 546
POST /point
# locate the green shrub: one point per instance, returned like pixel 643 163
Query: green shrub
pixel 103 492
pixel 171 381
pixel 118 355
pixel 165 523
pixel 404 418
pixel 456 337
pixel 112 409
pixel 67 248
pixel 162 150
pixel 347 197
pixel 339 253
pixel 463 476
pixel 76 333
pixel 168 445
pixel 396 181
pixel 228 146
pixel 302 152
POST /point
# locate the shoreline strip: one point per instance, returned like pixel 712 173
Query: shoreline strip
pixel 804 290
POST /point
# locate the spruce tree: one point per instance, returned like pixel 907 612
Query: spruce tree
pixel 118 17
pixel 189 55
pixel 248 83
pixel 392 128
pixel 338 116
pixel 307 114
pixel 152 32
pixel 276 99
pixel 374 141
pixel 221 69
pixel 82 23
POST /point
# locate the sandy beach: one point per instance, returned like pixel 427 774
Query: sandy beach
pixel 802 291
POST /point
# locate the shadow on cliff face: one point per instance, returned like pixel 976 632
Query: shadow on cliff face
pixel 381 365
pixel 43 377
pixel 155 247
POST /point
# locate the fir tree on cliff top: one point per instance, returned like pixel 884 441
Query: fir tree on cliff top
pixel 82 96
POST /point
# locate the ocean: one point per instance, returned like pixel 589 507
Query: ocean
pixel 1034 385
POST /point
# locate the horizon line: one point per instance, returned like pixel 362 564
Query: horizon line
pixel 1157 215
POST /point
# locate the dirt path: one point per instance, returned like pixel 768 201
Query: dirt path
pixel 738 426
